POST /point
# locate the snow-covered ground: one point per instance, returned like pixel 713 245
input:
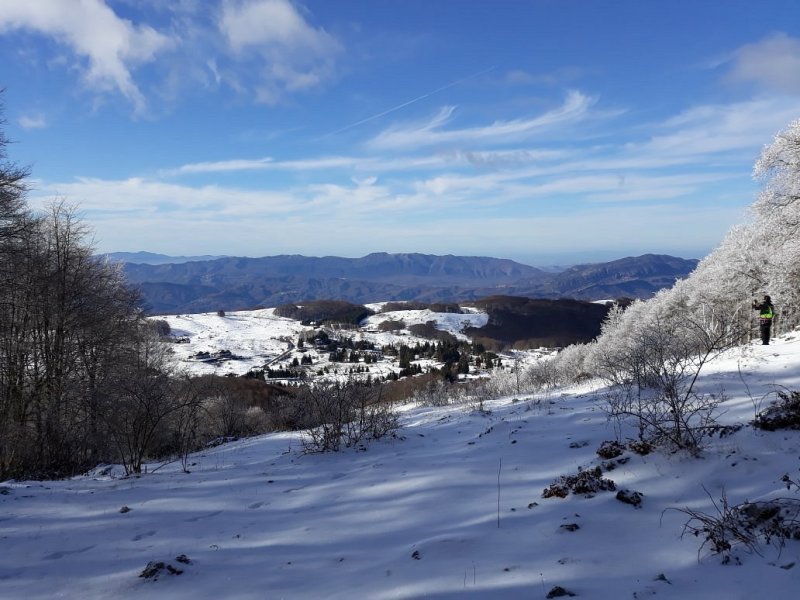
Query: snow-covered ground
pixel 454 323
pixel 258 337
pixel 451 508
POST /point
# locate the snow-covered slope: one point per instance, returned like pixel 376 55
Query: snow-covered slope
pixel 451 508
pixel 454 323
pixel 256 338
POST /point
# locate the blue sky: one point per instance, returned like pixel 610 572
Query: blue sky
pixel 546 131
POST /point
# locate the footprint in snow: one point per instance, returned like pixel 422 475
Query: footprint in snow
pixel 63 553
pixel 206 516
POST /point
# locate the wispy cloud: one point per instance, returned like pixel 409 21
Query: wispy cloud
pixel 560 76
pixel 378 164
pixel 575 108
pixel 393 109
pixel 720 128
pixel 138 195
pixel 32 121
pixel 239 164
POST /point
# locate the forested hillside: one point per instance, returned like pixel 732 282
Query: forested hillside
pixel 527 323
pixel 78 361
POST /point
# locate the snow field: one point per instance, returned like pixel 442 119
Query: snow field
pixel 416 516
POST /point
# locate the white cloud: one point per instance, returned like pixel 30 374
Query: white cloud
pixel 507 158
pixel 294 55
pixel 32 121
pixel 170 201
pixel 574 109
pixel 772 63
pixel 720 128
pixel 111 46
pixel 259 23
pixel 266 49
pixel 178 203
pixel 357 163
pixel 221 166
pixel 524 186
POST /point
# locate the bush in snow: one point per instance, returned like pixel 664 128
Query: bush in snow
pixel 652 355
pixel 586 483
pixel 610 449
pixel 342 413
pixel 782 414
pixel 747 525
pixel 161 327
pixel 229 416
pixel 140 403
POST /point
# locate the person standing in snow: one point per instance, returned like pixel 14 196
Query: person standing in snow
pixel 766 311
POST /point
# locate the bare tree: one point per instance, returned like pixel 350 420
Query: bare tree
pixel 140 398
pixel 337 413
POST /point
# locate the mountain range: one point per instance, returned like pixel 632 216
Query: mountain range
pixel 198 284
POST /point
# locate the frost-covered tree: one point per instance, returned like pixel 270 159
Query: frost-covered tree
pixel 652 352
pixel 777 213
pixel 725 282
pixel 761 256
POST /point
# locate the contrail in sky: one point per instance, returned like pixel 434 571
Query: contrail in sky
pixel 404 104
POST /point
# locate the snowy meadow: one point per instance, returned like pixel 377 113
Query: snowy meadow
pixel 451 506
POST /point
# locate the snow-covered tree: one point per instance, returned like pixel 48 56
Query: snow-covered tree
pixel 777 213
pixel 653 351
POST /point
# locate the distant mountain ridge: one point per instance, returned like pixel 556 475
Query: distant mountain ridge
pixel 238 282
pixel 405 268
pixel 152 258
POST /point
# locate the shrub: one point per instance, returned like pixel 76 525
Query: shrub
pixel 653 353
pixel 342 413
pixel 781 414
pixel 747 525
pixel 161 327
pixel 428 389
pixel 640 447
pixel 610 449
pixel 587 483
